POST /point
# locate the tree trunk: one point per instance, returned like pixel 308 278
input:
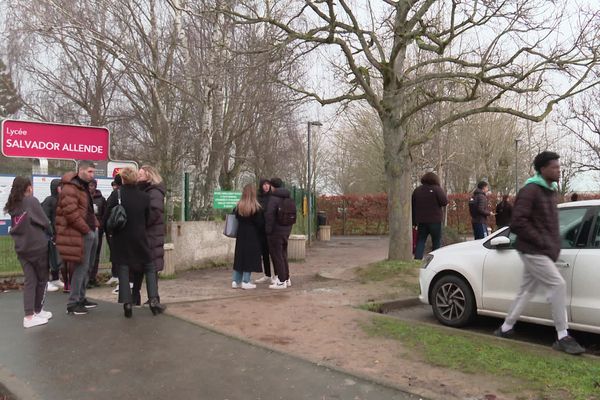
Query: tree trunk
pixel 398 174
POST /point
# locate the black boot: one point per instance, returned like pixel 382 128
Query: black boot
pixel 156 307
pixel 128 310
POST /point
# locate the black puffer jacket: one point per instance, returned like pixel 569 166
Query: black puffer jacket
pixel 271 225
pixel 480 213
pixel 49 203
pixel 155 227
pixel 535 221
pixel 263 200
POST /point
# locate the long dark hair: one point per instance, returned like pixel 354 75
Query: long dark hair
pixel 17 192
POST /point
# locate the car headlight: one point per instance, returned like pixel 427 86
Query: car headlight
pixel 428 258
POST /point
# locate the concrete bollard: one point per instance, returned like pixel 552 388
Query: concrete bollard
pixel 169 268
pixel 297 247
pixel 325 233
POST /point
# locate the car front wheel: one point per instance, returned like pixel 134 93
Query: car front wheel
pixel 452 301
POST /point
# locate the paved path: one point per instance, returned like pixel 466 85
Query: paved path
pixel 104 356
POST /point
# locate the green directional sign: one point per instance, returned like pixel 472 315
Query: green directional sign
pixel 223 199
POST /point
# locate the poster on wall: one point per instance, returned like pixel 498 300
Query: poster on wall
pixel 5 186
pixel 41 186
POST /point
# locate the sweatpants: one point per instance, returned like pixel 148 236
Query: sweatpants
pixel 35 269
pixel 264 249
pixel 80 277
pixel 278 245
pixel 540 270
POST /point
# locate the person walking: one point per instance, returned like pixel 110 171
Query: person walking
pixel 478 208
pixel 150 182
pixel 503 212
pixel 130 245
pixel 49 207
pixel 535 222
pixel 428 202
pixel 277 235
pixel 77 233
pixel 30 232
pixel 264 193
pixel 99 204
pixel 248 248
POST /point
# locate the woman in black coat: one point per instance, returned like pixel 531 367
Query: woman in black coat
pixel 247 258
pixel 150 182
pixel 130 244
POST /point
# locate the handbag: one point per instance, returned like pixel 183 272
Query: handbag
pixel 118 217
pixel 231 226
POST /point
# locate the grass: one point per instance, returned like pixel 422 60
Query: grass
pixel 397 273
pixel 9 264
pixel 553 374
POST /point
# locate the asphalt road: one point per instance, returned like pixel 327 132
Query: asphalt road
pixel 102 355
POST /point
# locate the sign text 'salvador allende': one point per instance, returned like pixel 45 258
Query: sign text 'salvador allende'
pixel 41 140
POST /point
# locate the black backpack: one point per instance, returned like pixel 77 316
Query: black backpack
pixel 286 212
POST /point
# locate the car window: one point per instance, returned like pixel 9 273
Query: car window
pixel 571 228
pixel 596 232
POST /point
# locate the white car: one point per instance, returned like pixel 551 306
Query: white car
pixel 483 276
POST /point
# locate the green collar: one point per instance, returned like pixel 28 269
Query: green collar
pixel 538 180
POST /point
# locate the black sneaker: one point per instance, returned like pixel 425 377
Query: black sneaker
pixel 77 309
pixel 506 335
pixel 568 345
pixel 88 304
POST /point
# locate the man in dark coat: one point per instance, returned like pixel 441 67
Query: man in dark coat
pixel 428 201
pixel 277 235
pixel 478 207
pixel 503 212
pixel 264 194
pixel 535 222
pixel 49 207
pixel 99 203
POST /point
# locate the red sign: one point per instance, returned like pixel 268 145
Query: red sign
pixel 47 140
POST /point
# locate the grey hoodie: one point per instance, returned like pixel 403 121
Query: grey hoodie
pixel 29 227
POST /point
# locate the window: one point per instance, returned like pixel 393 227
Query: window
pixel 572 232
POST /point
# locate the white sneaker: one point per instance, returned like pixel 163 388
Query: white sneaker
pixel 248 285
pixel 234 285
pixel 50 287
pixel 264 279
pixel 274 280
pixel 278 285
pixel 35 320
pixel 44 314
pixel 288 283
pixel 116 290
pixel 112 281
pixel 58 283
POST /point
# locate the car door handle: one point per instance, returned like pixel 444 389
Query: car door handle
pixel 562 265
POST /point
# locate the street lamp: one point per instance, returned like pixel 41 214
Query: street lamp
pixel 308 188
pixel 517 165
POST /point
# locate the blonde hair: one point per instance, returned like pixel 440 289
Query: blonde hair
pixel 153 176
pixel 128 175
pixel 248 205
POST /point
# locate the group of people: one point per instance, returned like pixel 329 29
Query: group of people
pixel 262 235
pixel 534 220
pixel 72 221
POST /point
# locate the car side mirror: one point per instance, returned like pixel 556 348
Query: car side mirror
pixel 500 242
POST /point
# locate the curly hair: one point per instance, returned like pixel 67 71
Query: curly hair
pixel 17 192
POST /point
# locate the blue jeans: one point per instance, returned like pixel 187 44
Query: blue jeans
pixel 479 231
pixel 424 230
pixel 238 277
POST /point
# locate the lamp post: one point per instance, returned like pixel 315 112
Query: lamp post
pixel 517 165
pixel 308 186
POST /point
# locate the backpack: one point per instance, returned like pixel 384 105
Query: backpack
pixel 117 218
pixel 473 207
pixel 286 212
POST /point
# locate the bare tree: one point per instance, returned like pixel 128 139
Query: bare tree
pixel 492 45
